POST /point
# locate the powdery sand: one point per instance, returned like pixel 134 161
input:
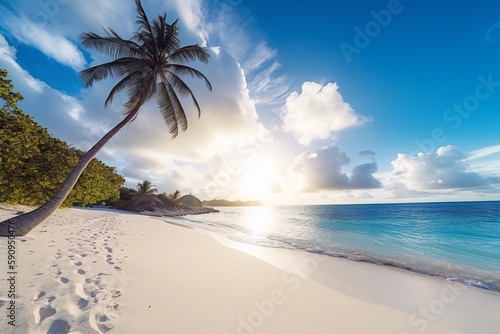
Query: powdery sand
pixel 94 271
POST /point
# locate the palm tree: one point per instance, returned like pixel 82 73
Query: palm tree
pixel 145 188
pixel 175 196
pixel 150 64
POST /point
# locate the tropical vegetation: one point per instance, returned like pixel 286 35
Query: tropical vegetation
pixel 33 163
pixel 150 64
pixel 146 187
pixel 175 196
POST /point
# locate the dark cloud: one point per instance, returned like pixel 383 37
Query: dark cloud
pixel 362 176
pixel 322 169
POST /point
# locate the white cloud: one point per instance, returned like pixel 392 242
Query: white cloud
pixel 74 17
pixel 49 107
pixel 444 170
pixel 228 118
pixel 318 112
pixel 49 42
pixel 6 51
pixel 485 160
pixel 322 169
pixel 484 152
pixel 8 62
pixel 267 88
pixel 191 12
pixel 233 29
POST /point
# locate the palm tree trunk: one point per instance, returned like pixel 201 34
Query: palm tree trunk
pixel 21 225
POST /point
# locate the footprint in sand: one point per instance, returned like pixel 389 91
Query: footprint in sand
pixel 64 280
pixel 102 323
pixel 40 295
pixel 82 303
pixel 80 271
pixel 44 313
pixel 116 294
pixel 59 326
pixel 78 264
pixel 109 259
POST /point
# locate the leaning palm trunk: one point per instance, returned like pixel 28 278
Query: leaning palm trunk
pixel 21 225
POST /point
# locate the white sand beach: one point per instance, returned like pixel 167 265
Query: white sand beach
pixel 103 271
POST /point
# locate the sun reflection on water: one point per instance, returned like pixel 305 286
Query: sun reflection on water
pixel 260 220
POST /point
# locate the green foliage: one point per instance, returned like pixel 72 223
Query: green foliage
pixel 175 196
pixel 126 195
pixel 98 183
pixel 11 98
pixel 33 164
pixel 146 187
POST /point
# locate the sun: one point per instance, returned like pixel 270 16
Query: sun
pixel 259 178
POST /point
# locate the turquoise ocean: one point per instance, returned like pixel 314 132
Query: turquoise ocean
pixel 457 241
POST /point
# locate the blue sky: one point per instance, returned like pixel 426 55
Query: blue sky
pixel 324 102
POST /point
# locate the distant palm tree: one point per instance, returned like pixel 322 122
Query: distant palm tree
pixel 150 64
pixel 145 188
pixel 175 196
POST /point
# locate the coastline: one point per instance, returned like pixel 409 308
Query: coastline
pixel 99 271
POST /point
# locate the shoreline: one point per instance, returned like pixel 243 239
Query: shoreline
pixel 480 275
pixel 343 255
pixel 99 271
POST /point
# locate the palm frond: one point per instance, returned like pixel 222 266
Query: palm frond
pixel 142 18
pixel 131 79
pixel 159 26
pixel 171 39
pixel 112 46
pixel 189 53
pixel 116 67
pixel 186 70
pixel 183 89
pixel 142 90
pixel 171 108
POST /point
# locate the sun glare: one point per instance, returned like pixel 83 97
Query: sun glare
pixel 259 177
pixel 260 220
